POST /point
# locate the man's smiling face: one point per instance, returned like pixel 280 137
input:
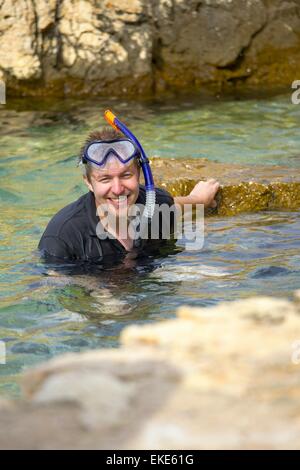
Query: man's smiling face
pixel 116 186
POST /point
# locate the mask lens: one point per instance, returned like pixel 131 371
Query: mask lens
pixel 98 152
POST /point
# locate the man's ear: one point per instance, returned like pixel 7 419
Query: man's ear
pixel 87 182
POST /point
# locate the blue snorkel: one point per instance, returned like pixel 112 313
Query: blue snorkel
pixel 149 183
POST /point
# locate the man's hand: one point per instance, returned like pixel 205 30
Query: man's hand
pixel 203 193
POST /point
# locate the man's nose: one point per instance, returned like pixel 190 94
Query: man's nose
pixel 117 187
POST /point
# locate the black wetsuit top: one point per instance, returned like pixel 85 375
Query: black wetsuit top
pixel 71 233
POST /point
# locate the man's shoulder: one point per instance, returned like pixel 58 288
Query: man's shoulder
pixel 162 196
pixel 65 218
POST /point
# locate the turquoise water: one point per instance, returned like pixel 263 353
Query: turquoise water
pixel 43 315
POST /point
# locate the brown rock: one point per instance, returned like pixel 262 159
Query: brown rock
pixel 138 47
pixel 243 188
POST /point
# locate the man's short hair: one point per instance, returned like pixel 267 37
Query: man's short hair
pixel 106 133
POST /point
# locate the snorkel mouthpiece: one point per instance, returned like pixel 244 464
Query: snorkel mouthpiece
pixel 149 182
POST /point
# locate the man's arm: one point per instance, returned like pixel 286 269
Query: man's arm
pixel 53 248
pixel 204 192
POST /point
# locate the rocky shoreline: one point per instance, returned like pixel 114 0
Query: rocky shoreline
pixel 139 48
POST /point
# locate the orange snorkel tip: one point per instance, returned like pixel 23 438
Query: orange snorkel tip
pixel 110 117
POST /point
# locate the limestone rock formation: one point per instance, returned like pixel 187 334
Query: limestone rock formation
pixel 224 377
pixel 120 47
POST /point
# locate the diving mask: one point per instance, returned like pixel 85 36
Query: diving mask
pixel 98 153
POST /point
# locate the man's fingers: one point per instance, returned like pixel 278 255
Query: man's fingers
pixel 214 182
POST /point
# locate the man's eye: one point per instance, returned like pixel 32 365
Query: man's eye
pixel 103 180
pixel 127 175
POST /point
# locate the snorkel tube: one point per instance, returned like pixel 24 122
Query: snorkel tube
pixel 149 183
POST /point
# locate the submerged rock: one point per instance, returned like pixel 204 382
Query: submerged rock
pixel 137 47
pixel 243 188
pixel 30 348
pixel 221 377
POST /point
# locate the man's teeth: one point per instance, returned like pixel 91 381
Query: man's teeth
pixel 120 198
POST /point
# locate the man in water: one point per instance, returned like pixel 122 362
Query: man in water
pixel 111 171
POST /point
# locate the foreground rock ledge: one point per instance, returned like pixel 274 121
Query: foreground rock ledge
pixel 224 377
